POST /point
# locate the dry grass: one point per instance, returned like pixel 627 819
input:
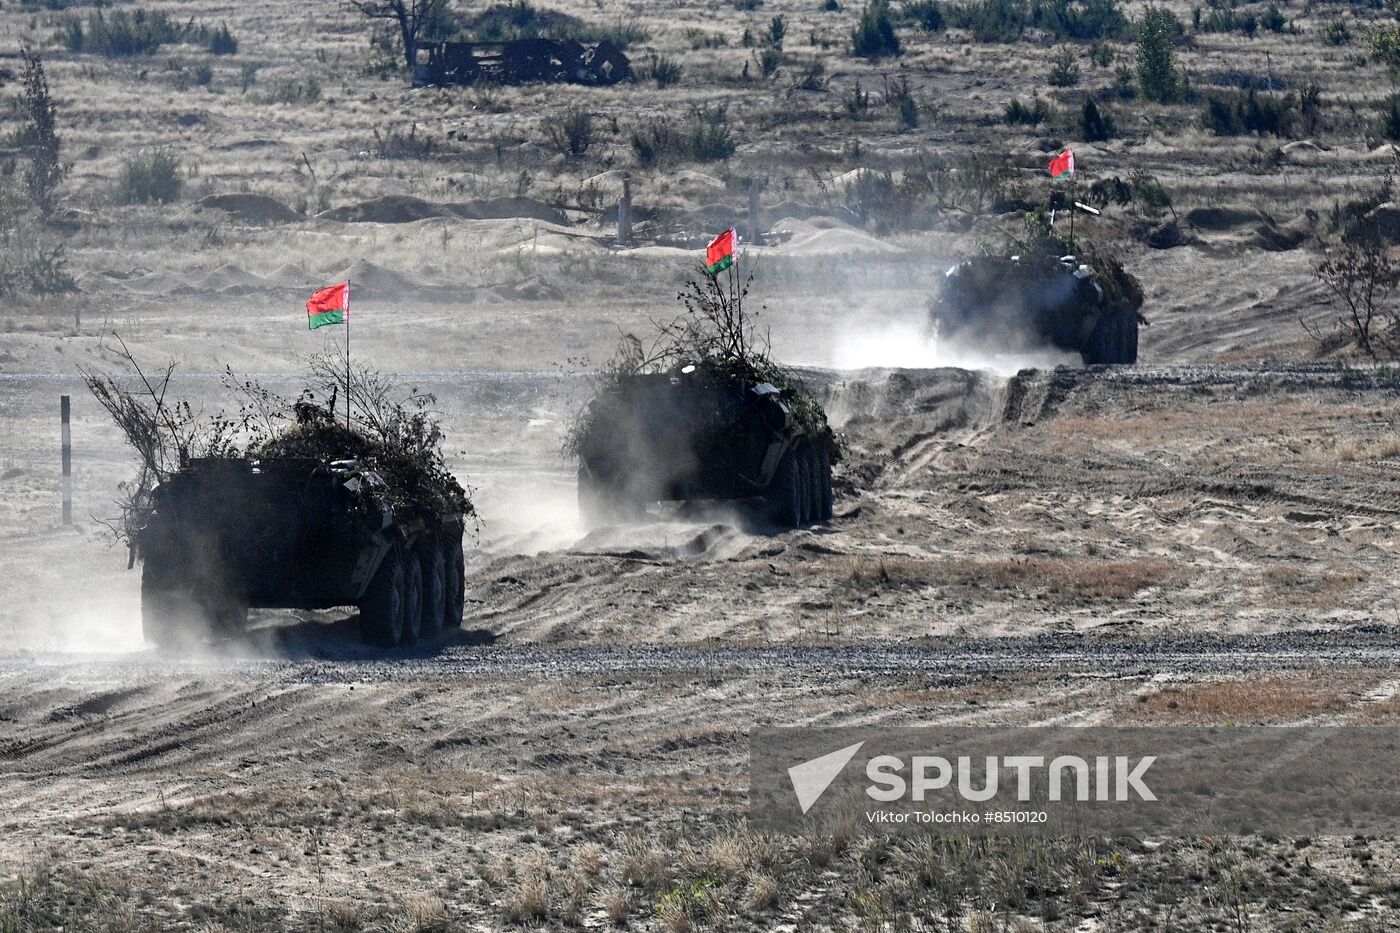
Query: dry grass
pixel 1066 579
pixel 643 864
pixel 1261 700
pixel 528 897
pixel 424 913
pixel 344 916
pixel 616 904
pixel 1298 584
pixel 1359 451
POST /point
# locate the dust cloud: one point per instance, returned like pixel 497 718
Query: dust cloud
pixel 528 512
pixel 76 611
pixel 909 345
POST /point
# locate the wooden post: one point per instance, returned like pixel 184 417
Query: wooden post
pixel 64 410
pixel 755 209
pixel 624 211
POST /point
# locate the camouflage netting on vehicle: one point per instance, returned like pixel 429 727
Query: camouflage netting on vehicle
pixel 716 332
pixel 408 456
pixel 989 274
pixel 393 432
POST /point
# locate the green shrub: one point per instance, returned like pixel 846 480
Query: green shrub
pixel 664 71
pixel 1337 32
pixel 709 136
pixel 1250 112
pixel 38 136
pixel 1385 47
pixel 1083 20
pixel 857 103
pixel 1273 19
pixel 769 60
pixel 292 92
pixel 1033 114
pixel 1008 20
pixel 1095 125
pixel 1388 124
pixel 990 20
pixel 1158 76
pixel 150 178
pixel 874 35
pixel 908 113
pixel 394 144
pixel 926 14
pixel 1064 70
pixel 1225 19
pixel 777 31
pixel 222 42
pixel 121 34
pixel 521 19
pixel 655 142
pixel 570 132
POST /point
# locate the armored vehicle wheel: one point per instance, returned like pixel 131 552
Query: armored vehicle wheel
pixel 456 582
pixel 593 510
pixel 804 486
pixel 165 610
pixel 783 496
pixel 412 599
pixel 824 474
pixel 382 608
pixel 432 557
pixel 819 482
pixel 176 611
pixel 601 504
pixel 1113 341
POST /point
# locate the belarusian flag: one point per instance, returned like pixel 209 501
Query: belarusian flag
pixel 328 306
pixel 719 255
pixel 1062 164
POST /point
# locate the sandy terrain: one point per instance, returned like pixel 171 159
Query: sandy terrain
pixel 1205 538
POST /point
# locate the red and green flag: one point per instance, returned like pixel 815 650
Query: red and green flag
pixel 328 306
pixel 719 255
pixel 1062 166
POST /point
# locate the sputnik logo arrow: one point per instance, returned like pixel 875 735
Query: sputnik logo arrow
pixel 811 778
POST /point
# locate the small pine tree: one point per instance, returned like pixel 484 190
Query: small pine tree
pixel 1158 76
pixel 39 136
pixel 874 35
pixel 1094 123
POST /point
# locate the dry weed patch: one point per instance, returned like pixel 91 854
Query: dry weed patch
pixel 1066 579
pixel 1301 585
pixel 1270 700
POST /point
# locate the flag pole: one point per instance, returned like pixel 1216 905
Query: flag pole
pixel 347 354
pixel 1072 247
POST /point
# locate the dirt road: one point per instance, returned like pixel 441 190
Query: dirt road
pixel 1156 545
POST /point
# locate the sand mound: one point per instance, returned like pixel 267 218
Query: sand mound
pixel 404 209
pixel 531 289
pixel 365 276
pixel 252 208
pixel 290 275
pixel 811 238
pixel 1386 217
pixel 1220 219
pixel 508 209
pixel 390 209
pixel 1280 238
pixel 230 279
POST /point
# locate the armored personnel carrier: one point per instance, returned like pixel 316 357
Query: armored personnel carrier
pixel 224 535
pixel 1092 310
pixel 695 432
